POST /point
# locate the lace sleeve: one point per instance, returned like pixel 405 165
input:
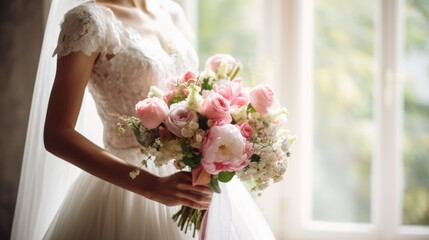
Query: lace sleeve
pixel 81 30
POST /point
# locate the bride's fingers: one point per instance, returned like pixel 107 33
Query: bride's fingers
pixel 197 198
pixel 187 179
pixel 194 205
pixel 177 189
pixel 201 190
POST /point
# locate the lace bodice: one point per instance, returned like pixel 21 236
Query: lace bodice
pixel 127 65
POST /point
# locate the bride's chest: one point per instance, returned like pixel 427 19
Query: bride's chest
pixel 141 56
pixel 136 65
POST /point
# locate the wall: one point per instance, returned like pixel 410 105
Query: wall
pixel 21 28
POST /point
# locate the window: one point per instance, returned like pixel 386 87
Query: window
pixel 232 27
pixel 415 141
pixel 343 122
pixel 355 77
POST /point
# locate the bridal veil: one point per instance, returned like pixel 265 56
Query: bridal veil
pixel 45 179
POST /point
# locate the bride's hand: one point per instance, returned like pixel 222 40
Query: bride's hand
pixel 177 189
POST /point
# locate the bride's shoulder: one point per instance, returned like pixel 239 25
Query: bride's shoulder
pixel 84 11
pixel 84 18
pixel 82 29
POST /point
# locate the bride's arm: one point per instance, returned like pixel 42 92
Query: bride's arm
pixel 61 139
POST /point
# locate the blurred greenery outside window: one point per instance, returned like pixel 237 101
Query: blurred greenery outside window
pixel 233 27
pixel 344 69
pixel 416 113
pixel 344 61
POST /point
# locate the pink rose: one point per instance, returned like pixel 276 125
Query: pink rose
pixel 179 117
pixel 168 96
pixel 216 108
pixel 245 129
pixel 232 91
pixel 225 149
pixel 262 98
pixel 188 75
pixel 214 63
pixel 151 112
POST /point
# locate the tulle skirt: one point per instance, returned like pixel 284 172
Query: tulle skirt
pixel 96 209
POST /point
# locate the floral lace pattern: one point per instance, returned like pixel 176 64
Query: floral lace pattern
pixel 127 64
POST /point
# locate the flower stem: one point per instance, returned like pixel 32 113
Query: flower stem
pixel 189 218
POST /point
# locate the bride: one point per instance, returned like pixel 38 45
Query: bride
pixel 117 49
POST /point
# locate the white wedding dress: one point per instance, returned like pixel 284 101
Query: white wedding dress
pixel 122 75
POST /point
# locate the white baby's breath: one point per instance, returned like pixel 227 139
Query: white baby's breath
pixel 268 144
pixel 170 150
pixel 197 140
pixel 180 165
pixel 187 132
pixel 134 173
pixel 193 125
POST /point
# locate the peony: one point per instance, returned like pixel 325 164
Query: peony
pixel 179 117
pixel 262 98
pixel 216 108
pixel 225 149
pixel 245 129
pixel 151 112
pixel 232 91
pixel 223 65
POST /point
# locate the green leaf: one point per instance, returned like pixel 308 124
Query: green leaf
pixel 235 71
pixel 192 161
pixel 120 128
pixel 176 99
pixel 202 122
pixel 138 136
pixel 255 158
pixel 250 108
pixel 206 85
pixel 189 158
pixel 225 176
pixel 214 185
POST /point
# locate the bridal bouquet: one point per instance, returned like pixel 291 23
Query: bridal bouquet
pixel 210 124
